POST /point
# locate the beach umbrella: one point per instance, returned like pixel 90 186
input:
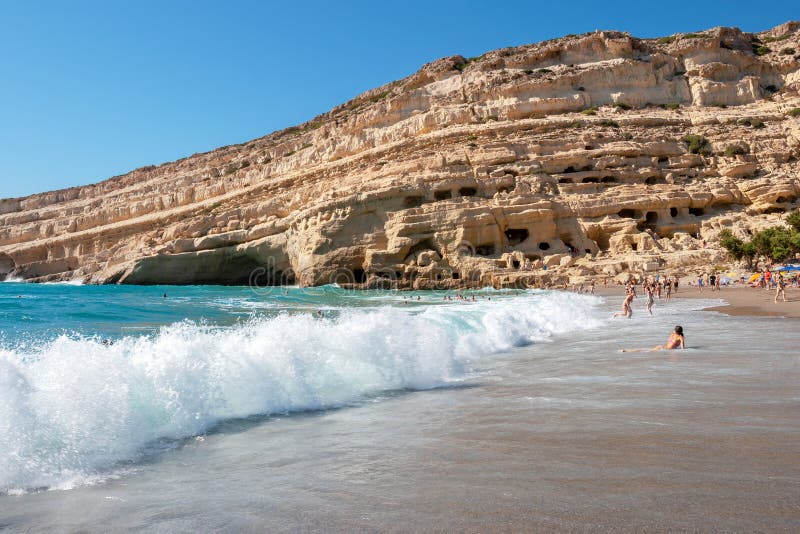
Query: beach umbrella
pixel 789 268
pixel 754 277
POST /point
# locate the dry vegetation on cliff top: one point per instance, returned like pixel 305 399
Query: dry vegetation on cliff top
pixel 586 155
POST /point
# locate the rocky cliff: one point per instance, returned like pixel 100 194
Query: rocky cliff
pixel 586 155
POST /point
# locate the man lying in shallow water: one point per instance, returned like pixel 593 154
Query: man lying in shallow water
pixel 675 341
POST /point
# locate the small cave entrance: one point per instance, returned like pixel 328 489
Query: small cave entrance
pixel 565 180
pixel 515 264
pixel 516 235
pixel 653 180
pixel 651 217
pixel 591 180
pixel 455 275
pixel 774 209
pixel 443 194
pixel 587 250
pixel 413 201
pixel 544 245
pixel 790 199
pixel 697 212
pixel 609 180
pixel 467 191
pixel 569 169
pixel 7 265
pixel 627 214
pixel 532 257
pixel 359 276
pixel 663 159
pixel 425 244
pixel 673 212
pixel 634 246
pixel 485 250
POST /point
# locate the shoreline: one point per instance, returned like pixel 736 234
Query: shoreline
pixel 739 301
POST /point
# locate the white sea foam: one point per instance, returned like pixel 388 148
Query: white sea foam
pixel 75 409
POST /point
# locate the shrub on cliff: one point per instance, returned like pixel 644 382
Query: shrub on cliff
pixel 795 112
pixel 778 243
pixel 761 50
pixel 752 122
pixel 697 144
pixel 793 220
pixel 609 123
pixel 734 150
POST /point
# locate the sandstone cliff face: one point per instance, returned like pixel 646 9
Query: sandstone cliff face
pixel 487 170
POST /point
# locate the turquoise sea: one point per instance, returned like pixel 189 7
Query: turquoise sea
pixel 230 409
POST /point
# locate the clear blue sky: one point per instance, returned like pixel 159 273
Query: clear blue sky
pixel 92 89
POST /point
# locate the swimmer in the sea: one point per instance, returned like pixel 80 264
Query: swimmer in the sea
pixel 675 341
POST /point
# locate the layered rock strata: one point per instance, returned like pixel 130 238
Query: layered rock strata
pixel 583 156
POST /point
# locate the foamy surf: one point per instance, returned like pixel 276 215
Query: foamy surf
pixel 73 410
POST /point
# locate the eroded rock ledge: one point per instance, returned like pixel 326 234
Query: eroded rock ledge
pixel 567 158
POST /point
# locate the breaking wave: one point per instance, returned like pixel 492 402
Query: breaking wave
pixel 73 409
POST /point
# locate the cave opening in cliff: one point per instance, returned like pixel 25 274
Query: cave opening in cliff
pixel 515 264
pixel 663 159
pixel 413 201
pixel 634 247
pixel 565 180
pixel 627 214
pixel 697 212
pixel 609 179
pixel 773 209
pixel 443 194
pixel 590 180
pixel 544 245
pixel 651 217
pixel 467 191
pixel 484 250
pixel 532 257
pixel 359 276
pixel 673 212
pixel 653 180
pixel 7 265
pixel 516 235
pixel 455 275
pixel 425 244
pixel 569 169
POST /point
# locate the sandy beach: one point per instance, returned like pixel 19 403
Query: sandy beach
pixel 743 301
pixel 740 301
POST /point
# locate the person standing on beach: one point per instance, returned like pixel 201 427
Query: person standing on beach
pixel 780 290
pixel 648 290
pixel 767 279
pixel 712 282
pixel 700 283
pixel 668 288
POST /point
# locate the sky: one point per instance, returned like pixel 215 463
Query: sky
pixel 94 89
